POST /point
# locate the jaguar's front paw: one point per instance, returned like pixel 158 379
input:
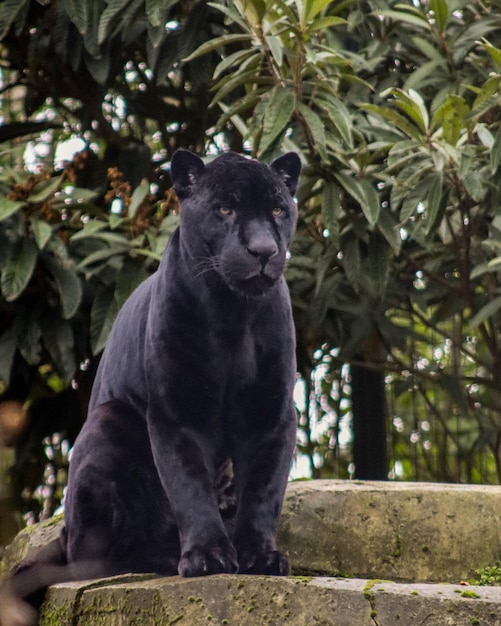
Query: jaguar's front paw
pixel 270 563
pixel 207 561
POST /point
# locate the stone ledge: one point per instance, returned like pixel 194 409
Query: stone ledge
pixel 258 600
pixel 422 532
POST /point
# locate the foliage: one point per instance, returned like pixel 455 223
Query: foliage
pixel 488 576
pixel 67 260
pixel 64 260
pixel 119 79
pixel 399 200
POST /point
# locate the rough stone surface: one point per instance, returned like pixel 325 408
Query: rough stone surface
pixel 31 538
pixel 396 531
pixel 434 605
pixel 256 600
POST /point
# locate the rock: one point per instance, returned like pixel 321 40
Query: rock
pixel 260 600
pixel 387 530
pixel 391 530
pixel 31 538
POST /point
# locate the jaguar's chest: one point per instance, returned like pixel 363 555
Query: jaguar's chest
pixel 237 351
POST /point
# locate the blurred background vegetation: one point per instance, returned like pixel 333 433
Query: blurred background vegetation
pixel 394 107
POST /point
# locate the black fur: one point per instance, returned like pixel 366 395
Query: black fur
pixel 182 464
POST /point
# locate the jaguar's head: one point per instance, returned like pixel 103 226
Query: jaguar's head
pixel 237 217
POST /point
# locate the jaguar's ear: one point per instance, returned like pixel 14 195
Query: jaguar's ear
pixel 185 168
pixel 288 167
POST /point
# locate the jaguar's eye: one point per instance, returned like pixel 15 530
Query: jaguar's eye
pixel 225 211
pixel 277 212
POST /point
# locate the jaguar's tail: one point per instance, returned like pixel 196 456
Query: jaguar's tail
pixel 23 591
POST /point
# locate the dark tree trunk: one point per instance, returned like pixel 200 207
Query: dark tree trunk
pixel 370 454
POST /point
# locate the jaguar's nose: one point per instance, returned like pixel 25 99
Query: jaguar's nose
pixel 263 249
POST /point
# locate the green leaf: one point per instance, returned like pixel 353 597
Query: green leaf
pixel 486 312
pixel 331 209
pixel 428 48
pixel 252 10
pixel 495 54
pixel 276 48
pixel 399 121
pixel 8 207
pixel 413 105
pixel 439 8
pixel 18 270
pixel 59 341
pixel 156 10
pixel 68 283
pixel 485 135
pixel 115 221
pixel 325 22
pixel 312 8
pixel 481 269
pixel 493 265
pixel 106 21
pixel 229 83
pixel 486 97
pixel 89 230
pixel 390 229
pixel 352 262
pixel 277 116
pixel 103 255
pixel 413 197
pixel 98 66
pixel 495 153
pixel 467 39
pixel 157 20
pixel 90 39
pixel 103 313
pixel 78 195
pixel 42 191
pixel 372 206
pixel 232 13
pixel 434 205
pixel 70 291
pixel 476 185
pixel 423 73
pixel 316 129
pixel 214 44
pixel 451 114
pixel 78 13
pixel 138 195
pixel 119 239
pixel 378 262
pixel 405 16
pixel 234 59
pixel 42 232
pixel 340 117
pixel 364 194
pixel 9 10
pixel 231 113
pixel 150 254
